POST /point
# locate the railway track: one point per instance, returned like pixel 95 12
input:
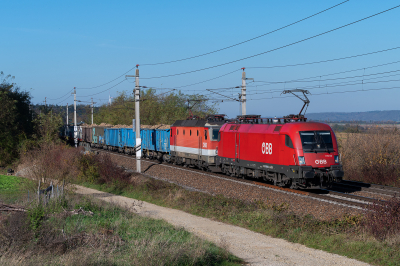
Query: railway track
pixel 353 186
pixel 326 195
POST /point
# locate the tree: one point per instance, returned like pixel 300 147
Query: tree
pixel 15 118
pixel 154 109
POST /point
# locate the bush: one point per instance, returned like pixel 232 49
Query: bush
pixel 100 169
pixel 50 161
pixel 382 219
pixel 36 216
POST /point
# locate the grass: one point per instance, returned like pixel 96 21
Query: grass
pixel 51 235
pixel 342 236
pixel 13 188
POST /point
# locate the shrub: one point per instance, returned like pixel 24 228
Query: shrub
pixel 110 172
pixel 382 219
pixel 50 161
pixel 36 215
pixel 100 169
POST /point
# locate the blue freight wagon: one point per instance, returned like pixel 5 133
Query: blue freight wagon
pixel 128 140
pixel 148 139
pixel 112 137
pixel 155 142
pixel 162 140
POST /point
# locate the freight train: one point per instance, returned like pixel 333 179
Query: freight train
pixel 288 151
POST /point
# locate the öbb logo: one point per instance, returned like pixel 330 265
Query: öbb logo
pixel 320 161
pixel 266 148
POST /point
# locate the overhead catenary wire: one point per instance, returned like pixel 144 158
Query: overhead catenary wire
pixel 319 80
pixel 360 82
pixel 335 84
pixel 243 42
pixel 105 89
pixel 335 73
pixel 61 96
pixel 278 48
pixel 325 93
pixel 329 60
pixel 223 95
pixel 197 83
pixel 221 49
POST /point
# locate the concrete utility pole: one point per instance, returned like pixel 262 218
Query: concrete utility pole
pixel 75 126
pixel 67 128
pixel 67 114
pixel 45 105
pixel 137 120
pixel 242 97
pixel 92 109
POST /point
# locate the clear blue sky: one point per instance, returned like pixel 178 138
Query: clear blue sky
pixel 53 46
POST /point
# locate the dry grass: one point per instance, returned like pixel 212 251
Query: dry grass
pixel 372 157
pixel 111 236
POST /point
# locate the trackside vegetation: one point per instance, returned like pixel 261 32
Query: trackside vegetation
pixel 370 238
pixel 156 107
pixel 76 230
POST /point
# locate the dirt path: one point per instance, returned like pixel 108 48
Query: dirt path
pixel 254 248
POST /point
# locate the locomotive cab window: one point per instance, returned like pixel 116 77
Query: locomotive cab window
pixel 214 135
pixel 190 132
pixel 316 141
pixel 177 132
pixel 205 134
pixel 288 142
pixel 183 132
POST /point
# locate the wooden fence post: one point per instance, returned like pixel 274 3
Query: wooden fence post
pixel 38 191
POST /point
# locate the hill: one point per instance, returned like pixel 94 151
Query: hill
pixel 371 116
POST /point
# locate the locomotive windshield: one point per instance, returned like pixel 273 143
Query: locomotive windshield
pixel 316 141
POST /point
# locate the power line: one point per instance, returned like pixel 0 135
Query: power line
pixel 192 84
pixel 328 86
pixel 218 50
pixel 336 92
pixel 230 98
pixel 336 73
pixel 252 39
pixel 330 60
pixel 319 80
pixel 105 89
pixel 109 81
pixel 61 96
pixel 275 49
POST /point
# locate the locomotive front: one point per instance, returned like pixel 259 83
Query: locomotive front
pixel 316 154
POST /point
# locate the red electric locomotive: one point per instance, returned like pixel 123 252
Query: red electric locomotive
pixel 286 151
pixel 194 142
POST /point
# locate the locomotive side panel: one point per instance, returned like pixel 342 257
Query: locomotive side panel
pixel 297 154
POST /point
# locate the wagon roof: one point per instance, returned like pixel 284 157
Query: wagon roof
pixel 196 123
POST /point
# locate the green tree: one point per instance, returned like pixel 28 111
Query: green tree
pixel 154 109
pixel 15 118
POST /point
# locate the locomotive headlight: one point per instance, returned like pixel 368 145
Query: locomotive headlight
pixel 336 158
pixel 302 160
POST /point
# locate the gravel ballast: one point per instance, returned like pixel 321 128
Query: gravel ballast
pixel 234 188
